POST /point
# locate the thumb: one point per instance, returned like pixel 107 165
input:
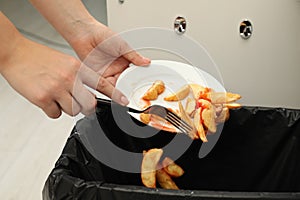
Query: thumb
pixel 136 58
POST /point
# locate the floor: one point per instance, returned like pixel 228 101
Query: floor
pixel 31 142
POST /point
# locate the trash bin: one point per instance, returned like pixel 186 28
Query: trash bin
pixel 256 157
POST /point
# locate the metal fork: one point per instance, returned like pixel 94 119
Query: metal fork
pixel 158 110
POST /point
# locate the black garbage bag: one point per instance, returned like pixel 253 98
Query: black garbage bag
pixel 256 157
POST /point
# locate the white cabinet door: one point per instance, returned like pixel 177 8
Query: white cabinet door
pixel 264 69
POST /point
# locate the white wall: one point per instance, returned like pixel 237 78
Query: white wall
pixel 97 8
pixel 264 69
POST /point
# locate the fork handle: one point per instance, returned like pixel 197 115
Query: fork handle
pixel 104 101
pixel 110 103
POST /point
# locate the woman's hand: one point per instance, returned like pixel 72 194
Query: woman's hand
pixel 54 81
pixel 95 44
pixel 103 50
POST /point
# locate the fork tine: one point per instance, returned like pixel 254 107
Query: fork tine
pixel 180 121
pixel 173 118
pixel 166 114
pixel 161 111
pixel 178 126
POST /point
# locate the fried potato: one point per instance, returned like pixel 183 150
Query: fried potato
pixel 198 124
pixel 223 97
pixel 192 134
pixel 203 111
pixel 172 168
pixel 204 104
pixel 179 95
pixel 165 181
pixel 190 106
pixel 145 118
pixel 223 116
pixel 218 108
pixel 197 90
pixel 232 105
pixel 230 97
pixel 152 93
pixel 149 166
pixel 208 116
pixel 161 124
pixel 160 86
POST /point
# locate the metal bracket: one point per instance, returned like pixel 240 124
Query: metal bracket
pixel 246 29
pixel 180 25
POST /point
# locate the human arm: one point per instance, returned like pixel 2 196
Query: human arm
pixel 49 79
pixel 85 34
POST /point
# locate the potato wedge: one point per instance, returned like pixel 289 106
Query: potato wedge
pixel 197 90
pixel 179 95
pixel 172 168
pixel 165 181
pixel 209 116
pixel 218 108
pixel 223 97
pixel 204 104
pixel 198 124
pixel 149 166
pixel 190 107
pixel 193 133
pixel 160 86
pixel 145 118
pixel 232 105
pixel 223 116
pixel 230 97
pixel 152 93
pixel 161 124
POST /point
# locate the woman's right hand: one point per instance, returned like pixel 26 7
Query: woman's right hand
pixel 54 81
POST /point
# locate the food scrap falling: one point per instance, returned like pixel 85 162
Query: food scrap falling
pixel 203 111
pixel 149 164
pixel 153 171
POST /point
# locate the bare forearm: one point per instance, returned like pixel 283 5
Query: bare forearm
pixel 9 38
pixel 68 17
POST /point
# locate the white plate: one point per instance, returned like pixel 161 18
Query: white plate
pixel 135 81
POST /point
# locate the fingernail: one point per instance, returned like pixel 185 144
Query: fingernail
pixel 146 60
pixel 124 100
